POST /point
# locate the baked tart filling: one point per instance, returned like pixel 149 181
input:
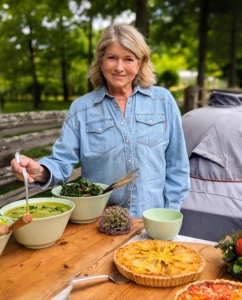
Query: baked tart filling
pixel 211 289
pixel 158 263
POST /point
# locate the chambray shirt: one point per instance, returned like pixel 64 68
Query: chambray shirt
pixel 109 145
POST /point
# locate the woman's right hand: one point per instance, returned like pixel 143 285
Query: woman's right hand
pixel 35 171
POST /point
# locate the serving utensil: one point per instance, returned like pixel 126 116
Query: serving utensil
pixel 18 158
pixel 24 220
pixel 64 294
pixel 116 278
pixel 121 181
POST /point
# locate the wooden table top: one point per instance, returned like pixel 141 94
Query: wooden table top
pixel 82 250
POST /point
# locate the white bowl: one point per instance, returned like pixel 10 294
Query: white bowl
pixel 162 223
pixel 87 209
pixel 44 232
pixel 4 239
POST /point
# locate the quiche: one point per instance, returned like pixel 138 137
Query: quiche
pixel 211 289
pixel 158 263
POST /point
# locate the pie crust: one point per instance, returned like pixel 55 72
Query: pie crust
pixel 211 289
pixel 158 263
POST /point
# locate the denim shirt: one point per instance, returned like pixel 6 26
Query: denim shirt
pixel 109 145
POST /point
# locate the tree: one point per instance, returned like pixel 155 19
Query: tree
pixel 142 18
pixel 202 35
pixel 21 24
pixel 224 41
pixel 61 42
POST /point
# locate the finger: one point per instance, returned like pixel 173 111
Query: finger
pixel 18 175
pixel 3 229
pixel 15 165
pixel 17 170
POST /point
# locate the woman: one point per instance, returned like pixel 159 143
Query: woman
pixel 124 124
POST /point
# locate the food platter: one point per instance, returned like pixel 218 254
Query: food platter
pixel 158 263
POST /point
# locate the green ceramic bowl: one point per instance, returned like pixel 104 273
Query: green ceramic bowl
pixel 43 232
pixel 87 209
pixel 162 223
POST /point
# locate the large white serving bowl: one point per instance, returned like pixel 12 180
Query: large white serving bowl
pixel 43 232
pixel 87 209
pixel 4 239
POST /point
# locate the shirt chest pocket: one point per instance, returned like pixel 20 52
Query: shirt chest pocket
pixel 101 135
pixel 150 129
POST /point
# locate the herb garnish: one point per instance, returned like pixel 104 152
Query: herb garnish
pixel 81 188
pixel 227 244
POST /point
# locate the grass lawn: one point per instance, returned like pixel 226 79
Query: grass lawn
pixel 25 106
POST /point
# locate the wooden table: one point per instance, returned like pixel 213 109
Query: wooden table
pixel 82 250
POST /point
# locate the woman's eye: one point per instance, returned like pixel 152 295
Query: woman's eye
pixel 111 57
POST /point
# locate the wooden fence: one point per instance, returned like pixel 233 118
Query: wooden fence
pixel 25 131
pixel 195 97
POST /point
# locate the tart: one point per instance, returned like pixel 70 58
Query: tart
pixel 211 289
pixel 158 263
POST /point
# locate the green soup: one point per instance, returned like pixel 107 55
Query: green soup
pixel 38 210
pixel 3 221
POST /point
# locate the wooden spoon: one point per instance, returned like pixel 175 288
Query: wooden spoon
pixel 25 219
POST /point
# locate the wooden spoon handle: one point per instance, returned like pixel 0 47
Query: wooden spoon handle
pixel 3 229
pixel 25 219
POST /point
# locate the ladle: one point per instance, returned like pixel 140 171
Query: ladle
pixel 18 158
pixel 24 220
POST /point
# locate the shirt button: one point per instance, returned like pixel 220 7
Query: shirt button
pixel 129 160
pixel 99 129
pixel 151 121
pixel 122 123
pixel 127 141
pixel 132 201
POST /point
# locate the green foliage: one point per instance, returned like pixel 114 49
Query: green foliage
pixel 168 78
pixel 227 246
pixel 51 43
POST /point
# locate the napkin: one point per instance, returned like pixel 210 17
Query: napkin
pixel 64 295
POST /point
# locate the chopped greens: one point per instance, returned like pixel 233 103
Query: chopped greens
pixel 81 188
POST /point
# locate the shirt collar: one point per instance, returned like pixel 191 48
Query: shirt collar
pixel 225 99
pixel 103 92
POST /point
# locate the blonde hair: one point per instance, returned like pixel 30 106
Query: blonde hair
pixel 130 38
